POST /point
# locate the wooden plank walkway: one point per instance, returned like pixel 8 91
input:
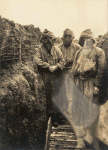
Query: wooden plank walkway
pixel 62 137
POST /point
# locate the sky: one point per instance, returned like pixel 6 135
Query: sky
pixel 57 15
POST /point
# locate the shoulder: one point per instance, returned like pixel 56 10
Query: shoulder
pixel 76 45
pixel 99 51
pixel 57 50
pixel 38 48
pixel 60 45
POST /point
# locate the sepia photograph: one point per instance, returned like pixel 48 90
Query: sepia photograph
pixel 53 74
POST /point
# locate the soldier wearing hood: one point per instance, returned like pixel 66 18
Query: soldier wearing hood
pixel 87 71
pixel 69 49
pixel 49 60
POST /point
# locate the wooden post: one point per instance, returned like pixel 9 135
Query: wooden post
pixel 0 52
pixel 6 35
pixel 48 133
pixel 13 45
pixel 20 49
pixel 0 59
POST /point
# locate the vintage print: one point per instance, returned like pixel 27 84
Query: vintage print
pixel 53 74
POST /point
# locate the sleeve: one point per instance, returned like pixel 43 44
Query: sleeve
pixel 78 47
pixel 61 63
pixel 37 60
pixel 60 46
pixel 73 71
pixel 101 65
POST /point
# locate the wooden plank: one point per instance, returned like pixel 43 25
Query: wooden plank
pixel 11 54
pixel 26 57
pixel 63 137
pixel 70 149
pixel 7 56
pixel 9 46
pixel 48 132
pixel 19 49
pixel 11 59
pixel 57 135
pixel 26 48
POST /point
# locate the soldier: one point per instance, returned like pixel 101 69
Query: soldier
pixel 49 60
pixel 69 49
pixel 87 71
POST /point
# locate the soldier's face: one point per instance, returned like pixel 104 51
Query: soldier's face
pixel 47 42
pixel 88 42
pixel 67 40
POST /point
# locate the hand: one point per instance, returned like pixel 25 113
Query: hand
pixel 96 90
pixel 53 68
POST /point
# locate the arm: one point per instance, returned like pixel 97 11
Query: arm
pixel 101 64
pixel 61 63
pixel 78 47
pixel 75 65
pixel 37 60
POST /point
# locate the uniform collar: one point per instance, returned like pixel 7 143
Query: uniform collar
pixel 51 52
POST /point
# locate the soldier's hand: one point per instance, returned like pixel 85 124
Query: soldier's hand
pixel 53 68
pixel 50 69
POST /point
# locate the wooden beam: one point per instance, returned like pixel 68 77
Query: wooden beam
pixel 19 49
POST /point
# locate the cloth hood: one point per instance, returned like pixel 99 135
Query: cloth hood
pixel 68 31
pixel 86 34
pixel 48 34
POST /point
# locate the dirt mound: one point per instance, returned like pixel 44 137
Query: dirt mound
pixel 22 103
pixel 22 93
